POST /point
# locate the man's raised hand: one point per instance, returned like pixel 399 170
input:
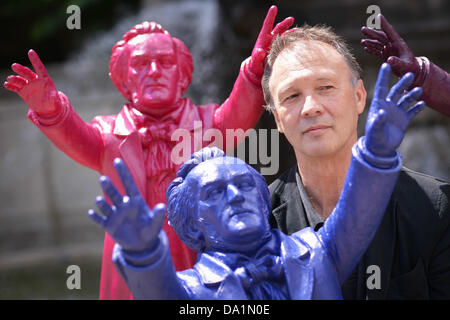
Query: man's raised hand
pixel 35 88
pixel 128 220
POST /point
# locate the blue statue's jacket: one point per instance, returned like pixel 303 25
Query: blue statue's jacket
pixel 315 264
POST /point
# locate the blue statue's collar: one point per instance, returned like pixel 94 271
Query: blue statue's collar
pixel 214 266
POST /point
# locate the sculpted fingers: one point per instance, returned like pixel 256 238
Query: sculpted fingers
pixel 111 191
pixel 265 35
pixel 389 30
pixel 415 110
pixel 374 44
pixel 104 207
pixel 16 81
pixel 24 72
pixel 256 63
pixel 157 217
pixel 269 20
pixel 268 32
pixel 381 87
pixel 125 176
pixel 399 88
pixel 98 219
pixel 409 98
pixel 281 27
pixel 375 34
pixel 399 65
pixel 12 87
pixel 37 64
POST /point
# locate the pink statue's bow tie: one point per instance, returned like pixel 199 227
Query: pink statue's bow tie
pixel 153 130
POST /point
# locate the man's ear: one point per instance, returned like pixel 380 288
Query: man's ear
pixel 277 119
pixel 360 96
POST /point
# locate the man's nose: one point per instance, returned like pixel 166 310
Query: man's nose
pixel 311 107
pixel 234 195
pixel 155 70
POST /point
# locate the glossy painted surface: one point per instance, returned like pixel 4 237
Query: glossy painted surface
pixel 152 70
pixel 218 206
pixel 258 263
pixel 390 112
pixel 390 47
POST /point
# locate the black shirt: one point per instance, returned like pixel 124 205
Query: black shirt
pixel 311 217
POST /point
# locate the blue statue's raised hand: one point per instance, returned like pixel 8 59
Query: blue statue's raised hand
pixel 128 221
pixel 390 112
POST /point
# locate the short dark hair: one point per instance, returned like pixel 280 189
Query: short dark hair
pixel 182 201
pixel 319 33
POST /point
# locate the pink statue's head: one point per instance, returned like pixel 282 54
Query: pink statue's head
pixel 151 68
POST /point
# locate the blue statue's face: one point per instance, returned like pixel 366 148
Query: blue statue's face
pixel 231 214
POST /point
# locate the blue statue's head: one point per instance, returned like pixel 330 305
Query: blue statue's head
pixel 219 203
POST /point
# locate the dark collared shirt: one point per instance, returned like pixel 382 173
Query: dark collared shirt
pixel 311 217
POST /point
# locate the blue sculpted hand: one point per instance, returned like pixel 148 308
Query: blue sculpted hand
pixel 128 221
pixel 390 113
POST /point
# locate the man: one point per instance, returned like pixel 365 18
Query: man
pixel 219 207
pixel 390 47
pixel 152 70
pixel 313 87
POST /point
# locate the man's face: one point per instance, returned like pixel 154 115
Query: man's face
pixel 153 72
pixel 231 213
pixel 316 104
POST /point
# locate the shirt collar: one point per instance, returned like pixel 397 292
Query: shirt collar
pixel 314 220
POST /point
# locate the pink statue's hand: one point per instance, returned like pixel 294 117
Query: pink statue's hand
pixel 391 48
pixel 36 89
pixel 264 41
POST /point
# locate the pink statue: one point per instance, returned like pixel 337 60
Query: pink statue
pixel 152 70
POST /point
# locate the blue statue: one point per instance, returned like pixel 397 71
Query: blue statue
pixel 219 206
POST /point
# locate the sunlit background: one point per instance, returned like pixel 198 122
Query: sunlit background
pixel 44 195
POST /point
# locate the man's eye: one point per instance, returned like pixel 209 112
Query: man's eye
pixel 325 88
pixel 291 97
